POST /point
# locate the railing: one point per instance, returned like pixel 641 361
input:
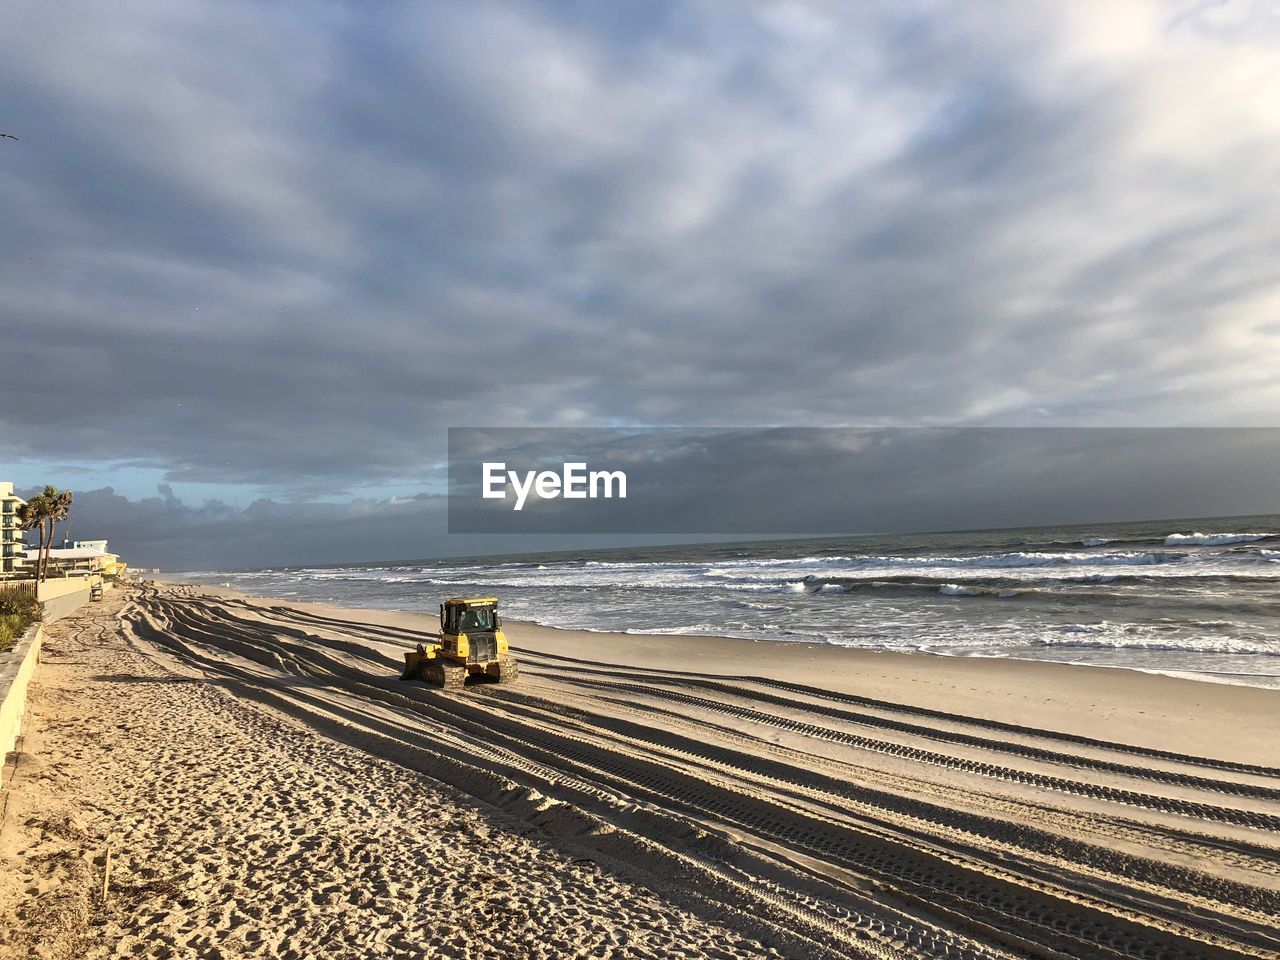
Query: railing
pixel 17 586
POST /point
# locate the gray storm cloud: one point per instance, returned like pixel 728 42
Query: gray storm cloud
pixel 288 245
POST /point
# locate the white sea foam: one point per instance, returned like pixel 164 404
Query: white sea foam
pixel 1122 640
pixel 1017 559
pixel 1211 539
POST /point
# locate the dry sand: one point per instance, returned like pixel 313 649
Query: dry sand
pixel 270 789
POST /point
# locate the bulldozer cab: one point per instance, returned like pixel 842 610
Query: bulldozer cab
pixel 469 616
pixel 471 630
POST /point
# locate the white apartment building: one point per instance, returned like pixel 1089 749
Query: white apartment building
pixel 13 544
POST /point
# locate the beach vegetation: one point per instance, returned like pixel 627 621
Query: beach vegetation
pixel 19 609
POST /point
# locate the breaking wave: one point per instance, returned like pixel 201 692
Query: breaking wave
pixel 1212 539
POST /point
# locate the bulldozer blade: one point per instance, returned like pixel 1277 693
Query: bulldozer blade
pixel 413 662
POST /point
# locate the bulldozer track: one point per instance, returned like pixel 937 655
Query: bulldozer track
pixel 1255 858
pixel 1163 804
pixel 401 635
pixel 874 804
pixel 807 924
pixel 1229 787
pixel 1188 808
pixel 1171 805
pixel 791 844
pixel 1251 857
pixel 722 684
pixel 925 712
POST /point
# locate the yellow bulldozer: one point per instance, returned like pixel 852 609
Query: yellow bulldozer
pixel 470 643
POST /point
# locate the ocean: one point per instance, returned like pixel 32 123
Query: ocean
pixel 1194 597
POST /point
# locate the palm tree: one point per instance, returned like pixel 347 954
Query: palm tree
pixel 44 512
pixel 59 510
pixel 62 511
pixel 31 516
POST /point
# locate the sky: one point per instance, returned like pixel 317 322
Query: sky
pixel 257 258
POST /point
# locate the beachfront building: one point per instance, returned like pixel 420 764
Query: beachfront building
pixel 13 545
pixel 84 545
pixel 84 557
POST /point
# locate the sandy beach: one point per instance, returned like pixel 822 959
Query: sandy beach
pixel 258 783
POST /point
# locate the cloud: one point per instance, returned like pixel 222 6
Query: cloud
pixel 164 531
pixel 696 484
pixel 288 245
pixel 831 481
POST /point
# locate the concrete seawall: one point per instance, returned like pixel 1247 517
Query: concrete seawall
pixel 16 669
pixel 60 598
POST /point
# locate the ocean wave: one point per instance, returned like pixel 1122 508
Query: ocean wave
pixel 1212 539
pixel 1018 558
pixel 1111 640
pixel 1028 559
pixel 1061 595
pixel 907 586
pixel 1132 578
pixel 852 566
pixel 934 588
pixel 755 605
pixel 811 561
pixel 1086 542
